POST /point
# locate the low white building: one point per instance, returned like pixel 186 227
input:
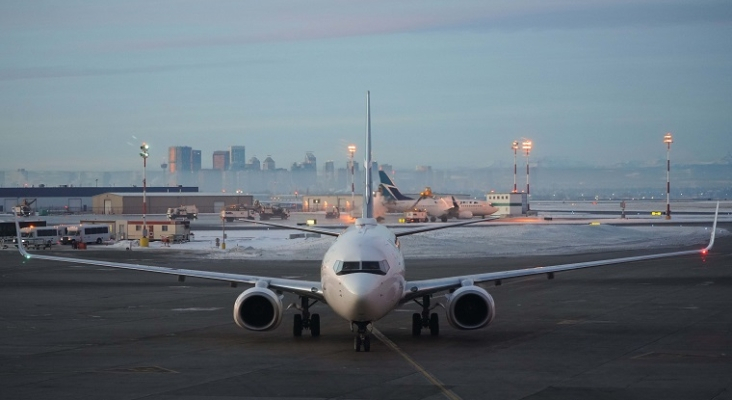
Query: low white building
pixel 509 204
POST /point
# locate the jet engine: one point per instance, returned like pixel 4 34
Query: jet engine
pixel 470 307
pixel 465 214
pixel 258 309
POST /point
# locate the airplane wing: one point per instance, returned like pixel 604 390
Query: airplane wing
pixel 415 289
pixel 311 289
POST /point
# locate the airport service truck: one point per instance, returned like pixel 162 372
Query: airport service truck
pixel 183 212
pixel 238 211
pixel 416 216
pixel 272 211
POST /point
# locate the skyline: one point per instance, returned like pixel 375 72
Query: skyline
pixel 452 84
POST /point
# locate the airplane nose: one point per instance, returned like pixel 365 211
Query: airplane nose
pixel 361 291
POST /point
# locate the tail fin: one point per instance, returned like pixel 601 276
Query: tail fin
pixel 391 188
pixel 368 197
pixel 384 178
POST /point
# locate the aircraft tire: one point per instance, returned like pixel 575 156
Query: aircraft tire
pixel 434 324
pixel 416 324
pixel 367 344
pixel 297 325
pixel 357 343
pixel 315 325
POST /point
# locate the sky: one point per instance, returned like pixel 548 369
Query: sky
pixel 593 82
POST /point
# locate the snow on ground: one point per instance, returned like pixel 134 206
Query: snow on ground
pixel 462 242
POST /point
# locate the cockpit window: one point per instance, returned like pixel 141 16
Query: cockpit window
pixel 371 267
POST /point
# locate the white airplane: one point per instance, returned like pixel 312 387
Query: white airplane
pixel 363 278
pixel 437 207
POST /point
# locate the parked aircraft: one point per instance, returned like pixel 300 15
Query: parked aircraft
pixel 363 278
pixel 436 207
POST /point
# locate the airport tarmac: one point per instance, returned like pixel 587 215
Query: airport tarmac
pixel 657 329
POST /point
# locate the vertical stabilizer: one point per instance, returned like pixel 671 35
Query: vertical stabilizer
pixel 368 198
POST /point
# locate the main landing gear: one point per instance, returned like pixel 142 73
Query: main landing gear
pixel 425 319
pixel 363 336
pixel 305 320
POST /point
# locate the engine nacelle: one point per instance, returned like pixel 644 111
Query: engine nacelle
pixel 470 307
pixel 465 214
pixel 258 309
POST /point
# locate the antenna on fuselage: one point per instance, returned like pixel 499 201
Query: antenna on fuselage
pixel 368 205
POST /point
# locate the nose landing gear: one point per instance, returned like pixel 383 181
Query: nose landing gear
pixel 363 336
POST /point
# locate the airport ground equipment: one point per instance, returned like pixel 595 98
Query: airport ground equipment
pixel 240 211
pixel 334 213
pixel 272 211
pixel 24 209
pixel 183 212
pixel 416 215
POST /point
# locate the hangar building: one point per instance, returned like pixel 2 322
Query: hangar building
pixel 158 203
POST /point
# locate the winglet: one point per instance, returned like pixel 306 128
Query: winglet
pixel 21 249
pixel 714 230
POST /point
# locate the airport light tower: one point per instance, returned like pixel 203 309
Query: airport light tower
pixel 144 154
pixel 668 139
pixel 515 147
pixel 526 146
pixel 351 152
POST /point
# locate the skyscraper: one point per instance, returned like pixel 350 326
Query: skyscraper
pixel 238 159
pixel 221 160
pixel 180 158
pixel 195 160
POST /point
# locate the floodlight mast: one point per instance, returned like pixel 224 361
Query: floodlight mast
pixel 515 147
pixel 526 146
pixel 668 139
pixel 144 154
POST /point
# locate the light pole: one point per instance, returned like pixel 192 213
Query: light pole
pixel 144 154
pixel 351 152
pixel 668 139
pixel 515 147
pixel 526 146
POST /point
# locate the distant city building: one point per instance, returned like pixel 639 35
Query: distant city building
pixel 268 164
pixel 238 158
pixel 388 168
pixel 310 162
pixel 196 160
pixel 221 160
pixel 180 159
pixel 329 170
pixel 254 164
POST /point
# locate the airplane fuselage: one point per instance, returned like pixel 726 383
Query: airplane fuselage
pixel 435 207
pixel 362 274
pixel 477 207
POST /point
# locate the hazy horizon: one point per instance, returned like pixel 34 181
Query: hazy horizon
pixel 82 84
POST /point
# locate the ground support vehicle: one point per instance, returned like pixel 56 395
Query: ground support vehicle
pixel 269 212
pixel 416 216
pixel 333 214
pixel 238 211
pixel 183 212
pixel 87 233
